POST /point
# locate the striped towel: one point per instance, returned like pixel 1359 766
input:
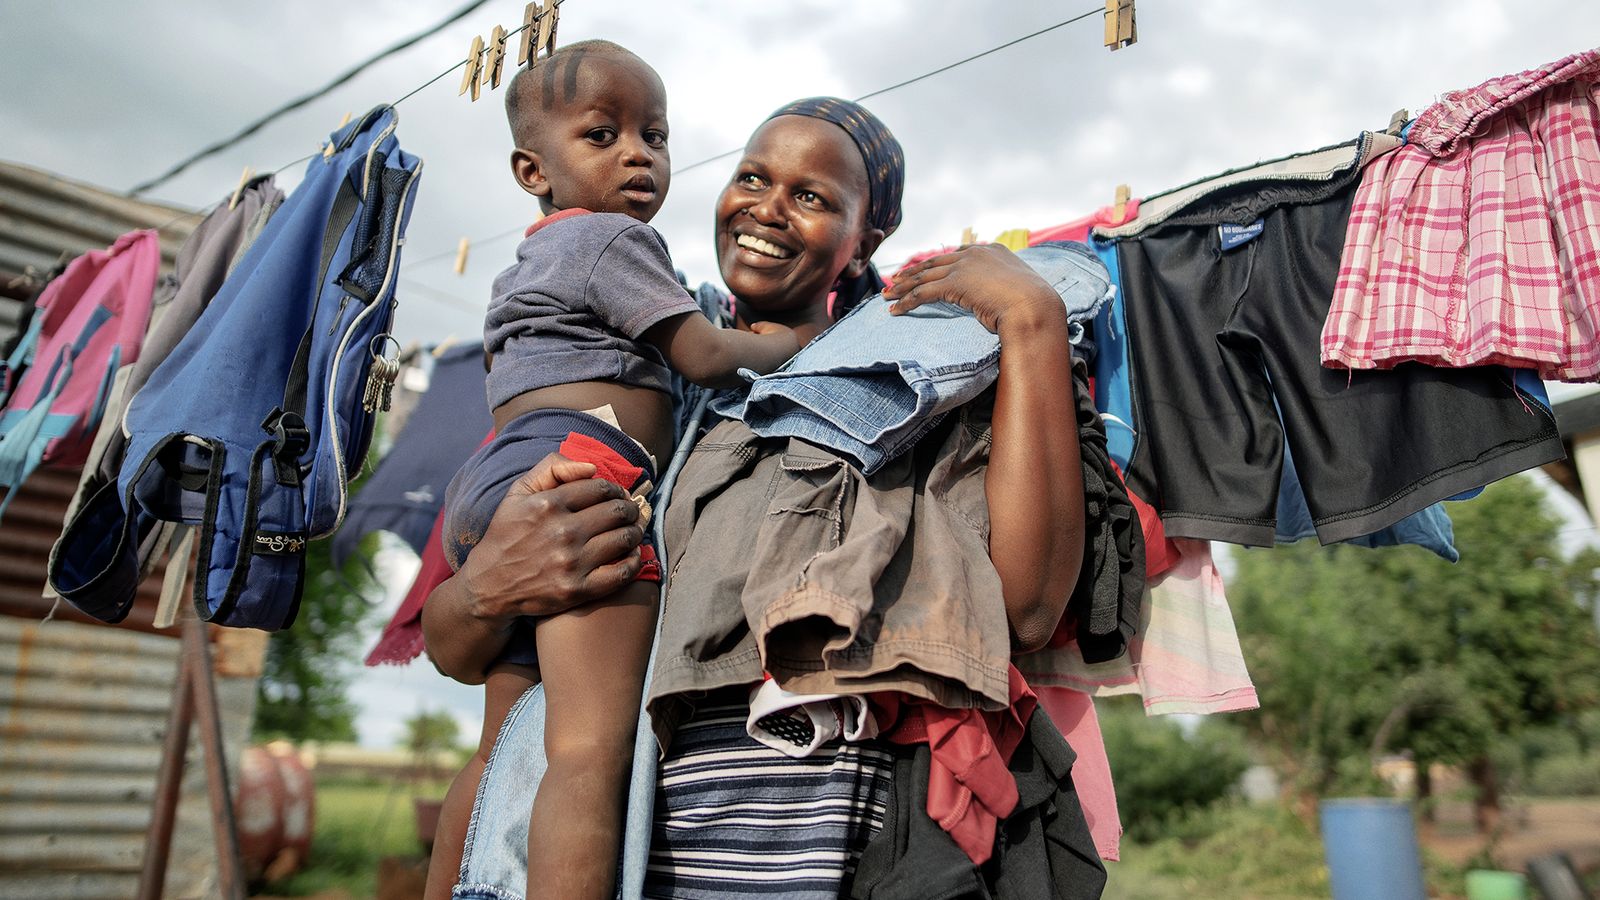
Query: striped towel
pixel 736 818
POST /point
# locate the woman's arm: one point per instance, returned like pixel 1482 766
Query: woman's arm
pixel 1035 477
pixel 547 550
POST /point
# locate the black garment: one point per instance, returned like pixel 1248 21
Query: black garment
pixel 1105 603
pixel 406 491
pixel 1043 850
pixel 1224 304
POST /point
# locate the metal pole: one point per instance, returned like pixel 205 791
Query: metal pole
pixel 169 783
pixel 224 827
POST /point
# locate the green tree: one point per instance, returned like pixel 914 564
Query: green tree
pixel 1358 652
pixel 1162 773
pixel 430 735
pixel 309 665
pixel 431 732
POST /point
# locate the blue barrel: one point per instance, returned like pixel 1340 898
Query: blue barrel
pixel 1371 848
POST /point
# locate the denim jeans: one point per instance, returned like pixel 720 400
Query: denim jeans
pixel 873 383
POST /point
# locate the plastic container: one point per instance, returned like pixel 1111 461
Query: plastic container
pixel 1371 847
pixel 1489 884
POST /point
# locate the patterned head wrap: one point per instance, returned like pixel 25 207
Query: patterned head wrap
pixel 886 164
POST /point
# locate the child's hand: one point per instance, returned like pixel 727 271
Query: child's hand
pixel 777 344
pixel 991 281
pixel 552 472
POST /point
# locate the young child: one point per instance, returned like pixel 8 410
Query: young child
pixel 581 332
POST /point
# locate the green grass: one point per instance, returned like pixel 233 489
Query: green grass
pixel 358 822
pixel 1242 853
pixel 1239 852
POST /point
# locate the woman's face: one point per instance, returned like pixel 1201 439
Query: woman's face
pixel 793 217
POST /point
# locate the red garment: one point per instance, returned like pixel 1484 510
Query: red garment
pixel 1160 553
pixel 401 640
pixel 554 218
pixel 1476 243
pixel 1073 713
pixel 610 465
pixel 970 788
pixel 1078 229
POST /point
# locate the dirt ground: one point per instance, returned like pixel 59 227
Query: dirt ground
pixel 1530 829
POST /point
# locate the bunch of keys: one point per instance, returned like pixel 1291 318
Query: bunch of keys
pixel 381 376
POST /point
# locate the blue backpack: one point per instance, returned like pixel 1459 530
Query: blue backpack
pixel 251 427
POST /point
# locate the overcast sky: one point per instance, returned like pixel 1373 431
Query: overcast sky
pixel 114 93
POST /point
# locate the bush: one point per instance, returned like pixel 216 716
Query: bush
pixel 1567 775
pixel 1229 850
pixel 1163 774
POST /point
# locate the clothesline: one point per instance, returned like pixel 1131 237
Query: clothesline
pixel 441 297
pixel 518 229
pixel 498 236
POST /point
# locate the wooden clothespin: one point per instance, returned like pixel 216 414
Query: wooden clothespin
pixel 1120 28
pixel 439 348
pixel 538 31
pixel 547 27
pixel 968 236
pixel 1397 122
pixel 1119 204
pixel 461 256
pixel 497 56
pixel 530 33
pixel 474 75
pixel 244 179
pixel 327 152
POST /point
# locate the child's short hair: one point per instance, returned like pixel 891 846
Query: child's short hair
pixel 532 89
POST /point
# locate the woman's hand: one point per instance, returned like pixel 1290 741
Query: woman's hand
pixel 991 281
pixel 559 539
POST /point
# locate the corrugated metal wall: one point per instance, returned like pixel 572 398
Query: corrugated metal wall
pixel 83 705
pixel 43 216
pixel 83 709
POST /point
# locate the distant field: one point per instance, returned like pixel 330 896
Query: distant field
pixel 359 821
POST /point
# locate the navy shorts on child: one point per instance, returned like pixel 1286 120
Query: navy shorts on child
pixel 484 480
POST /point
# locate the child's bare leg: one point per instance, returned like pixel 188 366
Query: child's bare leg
pixel 505 684
pixel 593 661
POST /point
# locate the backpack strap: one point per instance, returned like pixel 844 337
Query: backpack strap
pixel 20 358
pixel 286 423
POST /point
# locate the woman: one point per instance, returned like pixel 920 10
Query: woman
pixel 816 192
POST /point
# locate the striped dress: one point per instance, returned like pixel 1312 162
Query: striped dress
pixel 735 818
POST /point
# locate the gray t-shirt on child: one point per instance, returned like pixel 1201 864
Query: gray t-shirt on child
pixel 584 288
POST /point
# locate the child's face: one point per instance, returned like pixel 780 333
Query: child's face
pixel 602 139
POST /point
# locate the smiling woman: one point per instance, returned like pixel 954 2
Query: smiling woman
pixel 793 219
pixel 816 192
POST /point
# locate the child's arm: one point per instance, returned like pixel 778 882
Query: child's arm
pixel 711 357
pixel 1035 477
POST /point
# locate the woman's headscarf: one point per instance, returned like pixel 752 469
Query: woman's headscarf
pixel 886 177
pixel 886 164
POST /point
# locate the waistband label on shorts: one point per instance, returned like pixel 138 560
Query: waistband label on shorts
pixel 1235 235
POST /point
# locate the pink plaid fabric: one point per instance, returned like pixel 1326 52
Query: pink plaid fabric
pixel 1478 242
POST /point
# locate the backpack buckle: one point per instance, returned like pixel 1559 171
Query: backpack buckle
pixel 290 438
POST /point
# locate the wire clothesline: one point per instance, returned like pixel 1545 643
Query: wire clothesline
pixel 437 296
pixel 518 229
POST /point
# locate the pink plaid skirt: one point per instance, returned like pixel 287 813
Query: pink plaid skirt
pixel 1478 242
